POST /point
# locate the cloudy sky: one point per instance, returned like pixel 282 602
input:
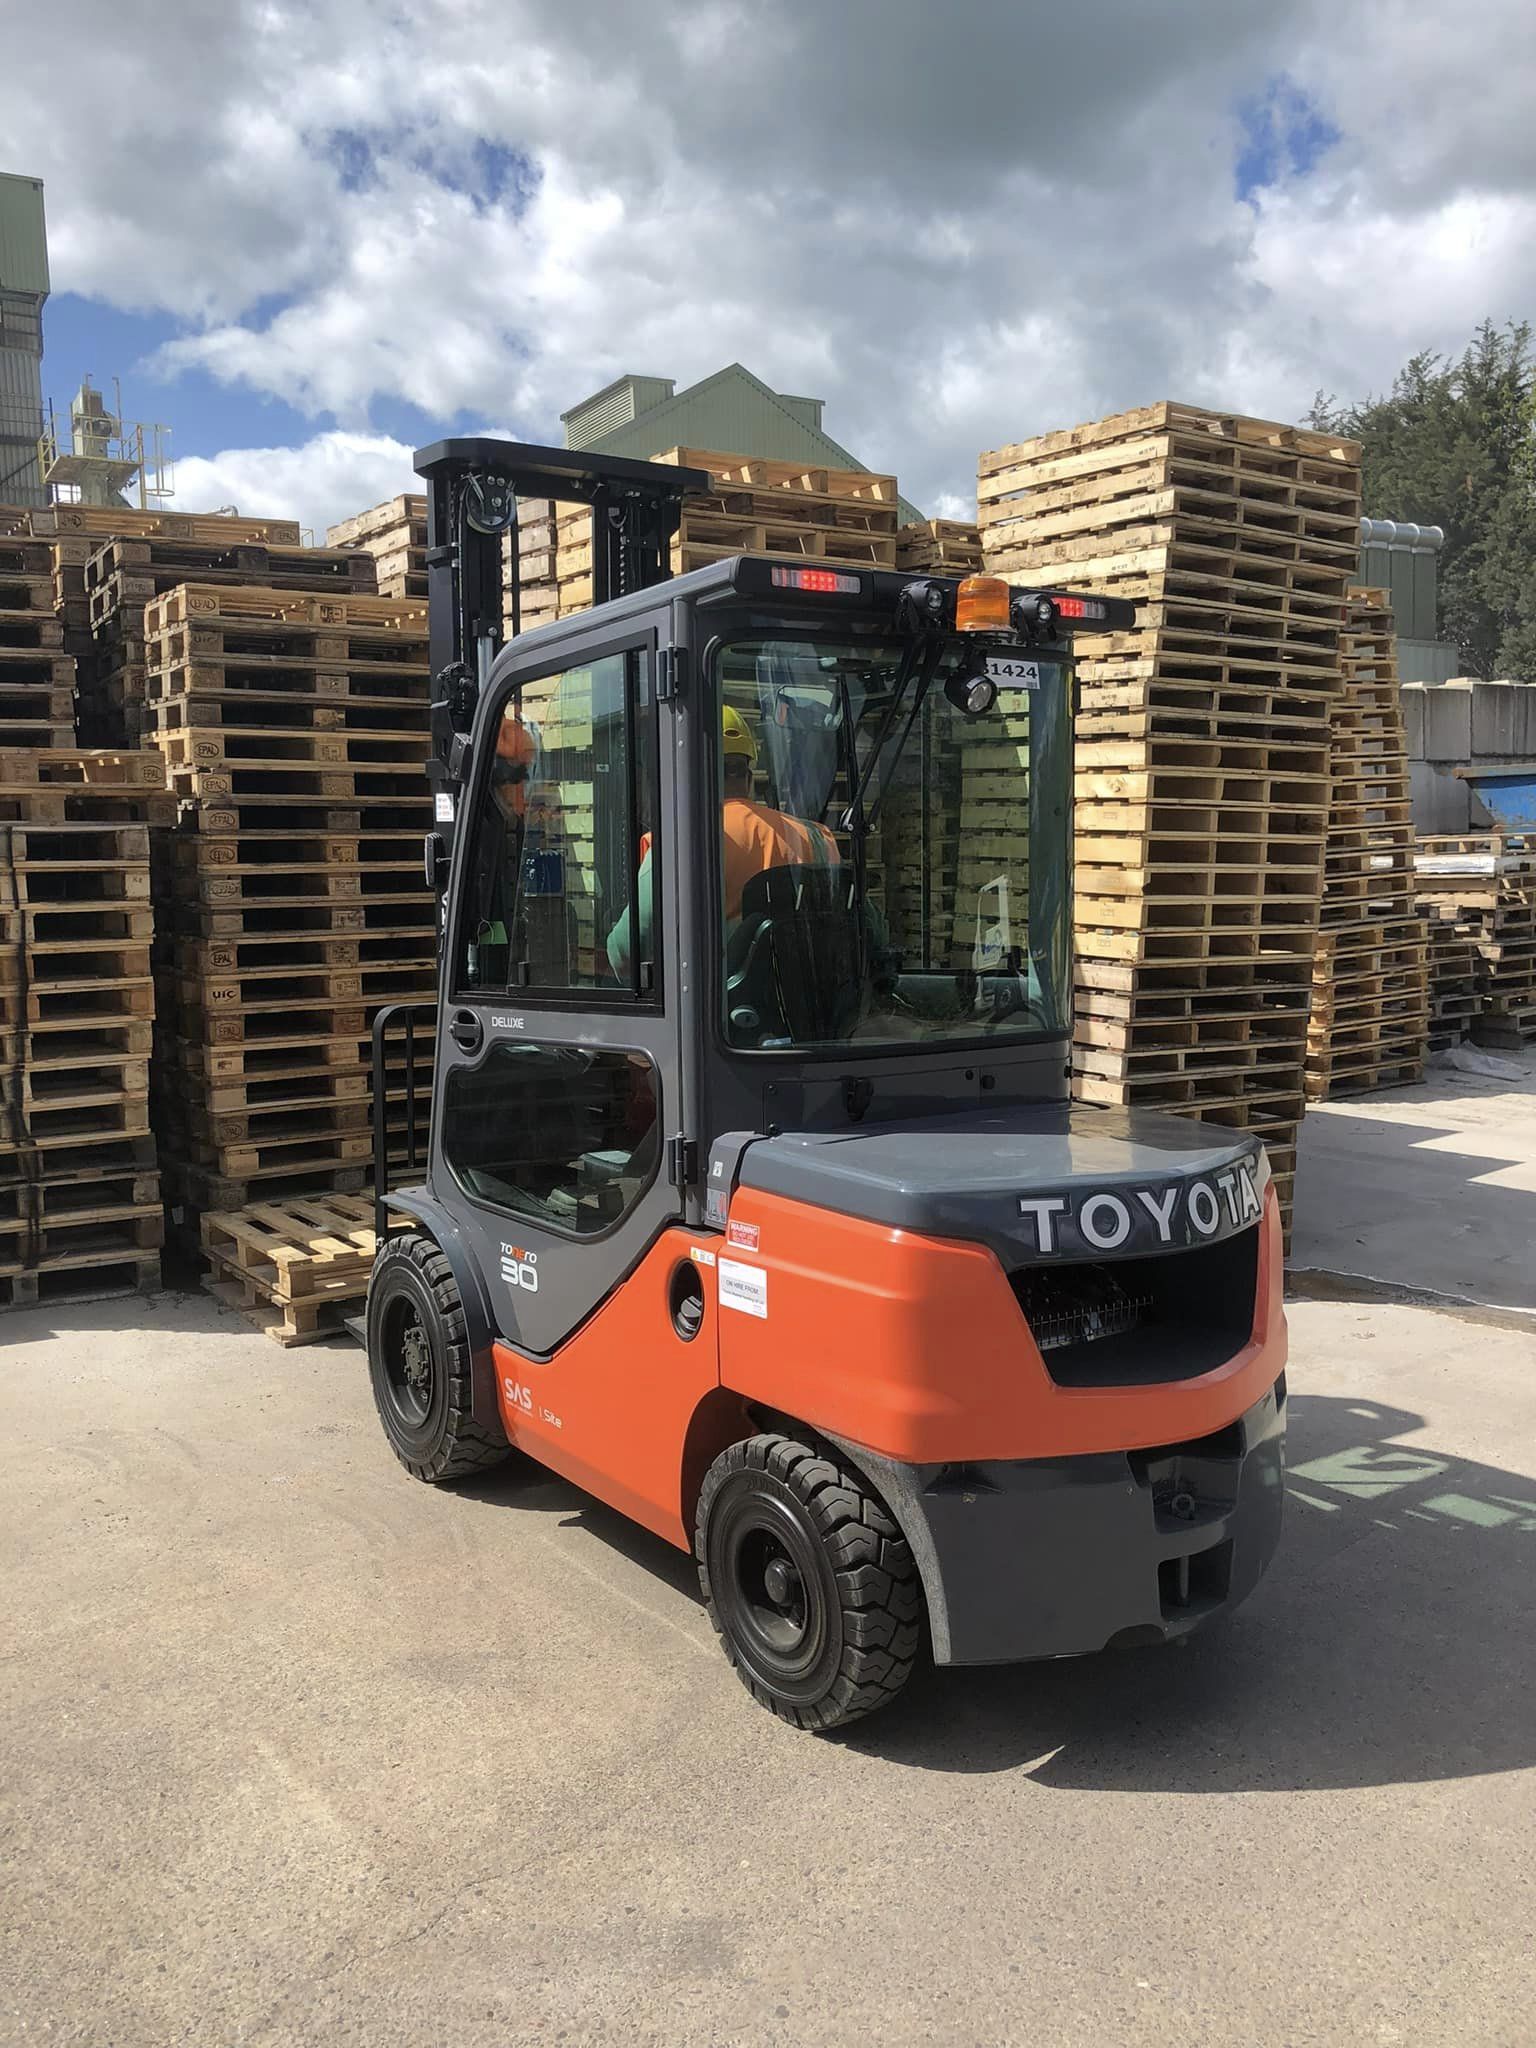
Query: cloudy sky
pixel 309 237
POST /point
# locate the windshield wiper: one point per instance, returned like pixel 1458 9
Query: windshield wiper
pixel 928 651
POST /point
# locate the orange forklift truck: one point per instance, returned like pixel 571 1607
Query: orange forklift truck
pixel 754 1202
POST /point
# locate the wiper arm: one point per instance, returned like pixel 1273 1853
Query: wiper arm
pixel 930 663
pixel 928 650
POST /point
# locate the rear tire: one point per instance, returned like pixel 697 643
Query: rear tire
pixel 808 1581
pixel 418 1362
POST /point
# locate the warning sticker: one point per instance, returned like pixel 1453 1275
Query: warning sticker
pixel 744 1287
pixel 744 1235
pixel 700 1257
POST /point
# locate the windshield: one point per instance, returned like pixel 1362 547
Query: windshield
pixel 893 869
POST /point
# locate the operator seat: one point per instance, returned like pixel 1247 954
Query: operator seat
pixel 795 962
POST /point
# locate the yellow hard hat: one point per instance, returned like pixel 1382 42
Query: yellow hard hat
pixel 736 736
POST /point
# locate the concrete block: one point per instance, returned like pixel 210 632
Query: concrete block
pixel 1493 720
pixel 1413 719
pixel 1441 803
pixel 1448 722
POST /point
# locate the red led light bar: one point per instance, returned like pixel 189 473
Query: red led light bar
pixel 825 581
pixel 1078 608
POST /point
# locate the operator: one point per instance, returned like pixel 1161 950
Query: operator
pixel 754 837
pixel 496 887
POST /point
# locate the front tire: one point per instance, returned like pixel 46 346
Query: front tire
pixel 808 1581
pixel 418 1362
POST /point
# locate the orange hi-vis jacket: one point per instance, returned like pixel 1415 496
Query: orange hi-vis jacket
pixel 757 837
pixel 516 746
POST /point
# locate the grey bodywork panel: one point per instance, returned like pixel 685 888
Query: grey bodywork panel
pixel 1033 1181
pixel 441 1224
pixel 1059 1557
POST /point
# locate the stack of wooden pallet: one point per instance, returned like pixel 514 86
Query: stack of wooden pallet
pixel 394 535
pixel 123 575
pixel 292 905
pixel 757 507
pixel 1370 995
pixel 1202 756
pixel 106 640
pixel 529 577
pixel 943 547
pixel 79 1196
pixel 37 675
pixel 1479 894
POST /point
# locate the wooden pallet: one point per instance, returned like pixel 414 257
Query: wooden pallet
pixel 153 564
pixel 85 1278
pixel 312 1248
pixel 104 522
pixel 1479 895
pixel 944 547
pixel 286 1323
pixel 394 536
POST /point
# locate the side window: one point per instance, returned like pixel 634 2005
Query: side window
pixel 563 1136
pixel 559 892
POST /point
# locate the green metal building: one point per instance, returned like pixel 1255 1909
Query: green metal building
pixel 731 412
pixel 23 288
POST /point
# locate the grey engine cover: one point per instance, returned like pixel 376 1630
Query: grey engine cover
pixel 1037 1183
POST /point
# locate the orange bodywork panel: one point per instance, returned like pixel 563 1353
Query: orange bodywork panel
pixel 916 1348
pixel 612 1409
pixel 911 1346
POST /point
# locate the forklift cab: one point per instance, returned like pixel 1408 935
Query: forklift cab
pixel 751 1156
pixel 624 988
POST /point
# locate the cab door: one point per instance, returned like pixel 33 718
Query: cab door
pixel 557 1098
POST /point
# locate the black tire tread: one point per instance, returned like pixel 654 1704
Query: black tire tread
pixel 467 1446
pixel 878 1586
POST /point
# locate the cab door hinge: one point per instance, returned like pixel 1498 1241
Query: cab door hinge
pixel 671 670
pixel 682 1161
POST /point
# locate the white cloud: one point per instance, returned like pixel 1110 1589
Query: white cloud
pixel 322 481
pixel 958 228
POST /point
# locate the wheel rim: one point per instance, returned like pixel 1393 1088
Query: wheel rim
pixel 771 1591
pixel 410 1370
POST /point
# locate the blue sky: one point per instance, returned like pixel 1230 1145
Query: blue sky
pixel 86 337
pixel 1283 135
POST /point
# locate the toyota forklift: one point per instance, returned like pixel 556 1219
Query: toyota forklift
pixel 754 1202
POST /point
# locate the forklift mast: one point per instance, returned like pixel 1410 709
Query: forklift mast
pixel 473 489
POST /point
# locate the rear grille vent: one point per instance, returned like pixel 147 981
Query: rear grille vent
pixel 1068 1305
pixel 1142 1322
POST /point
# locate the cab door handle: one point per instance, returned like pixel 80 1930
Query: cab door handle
pixel 466 1030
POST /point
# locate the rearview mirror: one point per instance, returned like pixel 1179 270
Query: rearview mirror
pixel 435 862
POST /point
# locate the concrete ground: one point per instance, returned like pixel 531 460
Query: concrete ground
pixel 1430 1189
pixel 297 1751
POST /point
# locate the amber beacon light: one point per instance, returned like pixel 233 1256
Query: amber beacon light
pixel 981 605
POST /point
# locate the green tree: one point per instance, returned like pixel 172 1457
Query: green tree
pixel 1454 445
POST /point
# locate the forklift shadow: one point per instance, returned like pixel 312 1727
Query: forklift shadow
pixel 529 1487
pixel 1391 1643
